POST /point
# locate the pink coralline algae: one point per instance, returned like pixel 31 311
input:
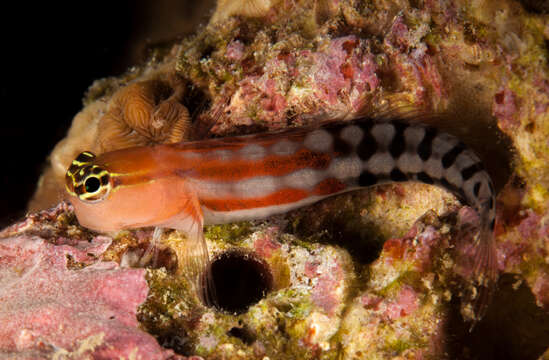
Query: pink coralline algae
pixel 345 70
pixel 541 290
pixel 323 294
pixel 510 254
pixel 266 245
pixel 48 309
pixel 413 62
pixel 405 304
pixel 417 248
pixel 255 93
pixel 530 225
pixel 505 108
pixel 235 51
pixel 335 78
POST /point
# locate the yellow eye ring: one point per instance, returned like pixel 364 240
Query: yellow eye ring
pixel 95 184
pixel 89 182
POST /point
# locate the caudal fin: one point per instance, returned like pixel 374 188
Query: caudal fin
pixel 477 267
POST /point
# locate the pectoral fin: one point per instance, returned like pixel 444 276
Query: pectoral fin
pixel 192 252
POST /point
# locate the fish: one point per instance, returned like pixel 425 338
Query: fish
pixel 187 185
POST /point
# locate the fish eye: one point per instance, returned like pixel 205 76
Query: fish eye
pixel 95 186
pixel 88 181
pixel 92 184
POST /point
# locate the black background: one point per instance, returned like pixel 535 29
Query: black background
pixel 50 54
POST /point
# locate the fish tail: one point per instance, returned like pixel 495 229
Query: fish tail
pixel 485 273
pixel 477 266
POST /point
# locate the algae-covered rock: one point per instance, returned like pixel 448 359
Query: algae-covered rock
pixel 370 274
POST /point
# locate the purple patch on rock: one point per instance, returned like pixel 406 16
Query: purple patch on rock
pixel 541 290
pixel 323 293
pixel 49 309
pixel 510 254
pixel 406 303
pixel 267 244
pixel 235 50
pixel 344 68
pixel 505 108
pixel 529 226
pixel 416 247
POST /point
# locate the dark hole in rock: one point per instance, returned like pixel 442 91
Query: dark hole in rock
pixel 247 31
pixel 344 227
pixel 207 52
pixel 178 343
pixel 469 117
pixel 163 92
pixel 195 100
pixel 513 328
pixel 416 4
pixel 240 280
pixel 536 6
pixel 243 333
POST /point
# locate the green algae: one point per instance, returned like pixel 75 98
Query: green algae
pixel 233 233
pixel 170 307
pixel 280 270
pixel 398 346
pixel 407 277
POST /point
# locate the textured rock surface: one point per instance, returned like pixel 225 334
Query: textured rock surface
pixel 57 301
pixel 339 287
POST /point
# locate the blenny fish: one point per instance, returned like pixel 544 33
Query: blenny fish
pixel 184 186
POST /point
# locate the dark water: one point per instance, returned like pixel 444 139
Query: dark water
pixel 50 55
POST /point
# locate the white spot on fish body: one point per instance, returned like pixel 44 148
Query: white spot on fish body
pixel 302 179
pixel 383 133
pixel 453 175
pixel 191 154
pixel 344 168
pixel 433 168
pixel 466 159
pixel 380 163
pixel 284 147
pixel 352 134
pixel 442 143
pixel 252 152
pixel 413 136
pixel 258 186
pixel 484 179
pixel 409 163
pixel 221 154
pixel 319 140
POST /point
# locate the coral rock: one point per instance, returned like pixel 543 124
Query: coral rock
pixel 48 309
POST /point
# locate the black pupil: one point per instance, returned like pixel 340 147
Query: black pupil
pixel 92 184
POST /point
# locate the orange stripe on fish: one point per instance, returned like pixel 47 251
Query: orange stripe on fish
pixel 280 197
